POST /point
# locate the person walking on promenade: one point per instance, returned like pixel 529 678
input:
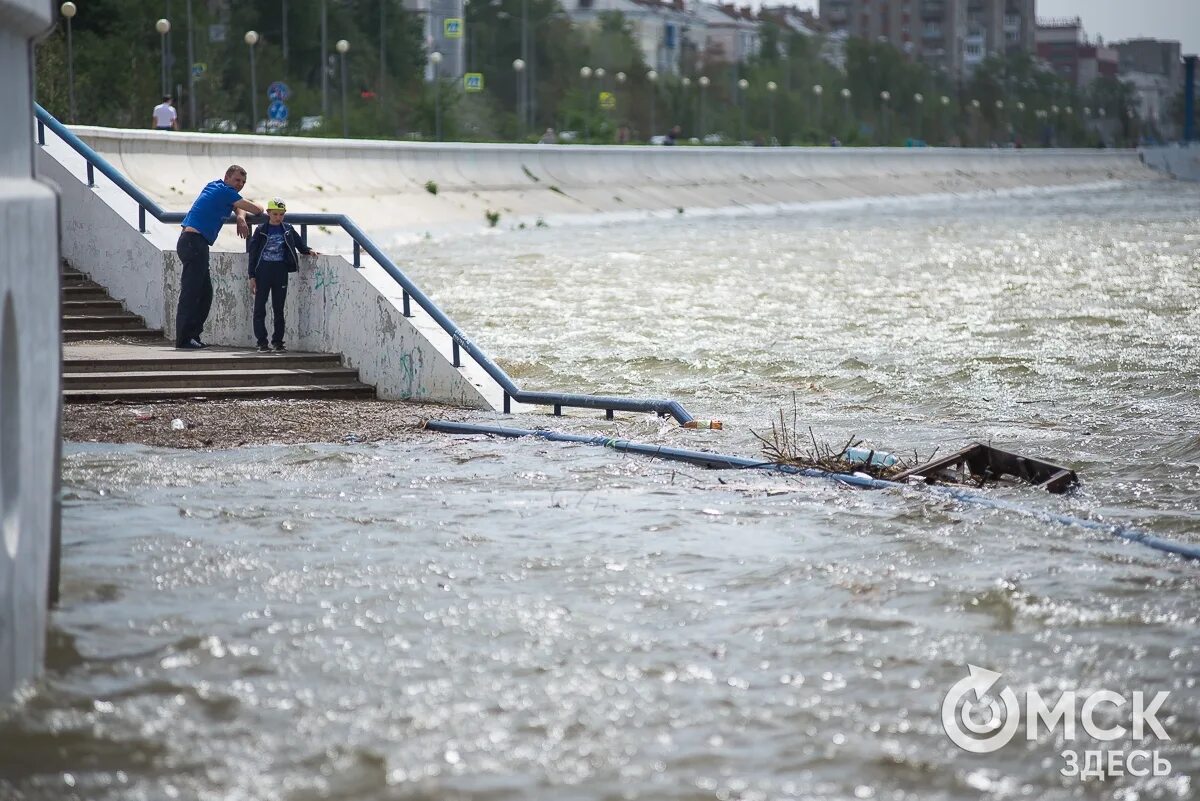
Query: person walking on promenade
pixel 272 252
pixel 200 228
pixel 164 115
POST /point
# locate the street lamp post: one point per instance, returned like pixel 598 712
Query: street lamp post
pixel 163 26
pixel 342 47
pixel 324 59
pixel 620 76
pixel 884 97
pixel 251 39
pixel 435 58
pixel 703 82
pixel 191 71
pixel 771 87
pixel 919 99
pixel 1004 121
pixel 945 110
pixel 652 77
pixel 975 106
pixel 519 68
pixel 686 83
pixel 846 94
pixel 68 11
pixel 818 91
pixel 585 74
pixel 743 85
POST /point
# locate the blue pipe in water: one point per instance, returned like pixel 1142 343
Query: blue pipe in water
pixel 717 461
pixel 1189 99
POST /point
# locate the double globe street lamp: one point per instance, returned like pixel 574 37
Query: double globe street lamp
pixel 342 47
pixel 251 39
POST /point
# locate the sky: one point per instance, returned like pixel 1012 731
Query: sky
pixel 1120 19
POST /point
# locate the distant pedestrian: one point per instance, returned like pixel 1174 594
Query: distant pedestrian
pixel 272 252
pixel 673 135
pixel 200 228
pixel 549 137
pixel 165 118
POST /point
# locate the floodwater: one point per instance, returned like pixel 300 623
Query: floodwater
pixel 453 617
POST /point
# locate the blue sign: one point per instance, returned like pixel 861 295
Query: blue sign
pixel 278 91
pixel 277 111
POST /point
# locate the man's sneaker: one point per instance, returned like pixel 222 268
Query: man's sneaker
pixel 280 348
pixel 202 344
pixel 262 348
pixel 191 344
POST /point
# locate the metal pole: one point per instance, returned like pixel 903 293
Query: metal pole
pixel 653 107
pixel 253 93
pixel 1189 99
pixel 382 50
pixel 162 41
pixel 324 59
pixel 191 74
pixel 71 70
pixel 437 101
pixel 524 93
pixel 283 15
pixel 345 119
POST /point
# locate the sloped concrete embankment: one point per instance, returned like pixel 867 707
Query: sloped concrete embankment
pixel 385 186
pixel 331 306
pixel 1178 161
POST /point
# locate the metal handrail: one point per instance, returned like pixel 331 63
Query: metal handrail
pixel 362 242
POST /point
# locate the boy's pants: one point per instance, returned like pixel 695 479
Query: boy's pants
pixel 195 288
pixel 270 278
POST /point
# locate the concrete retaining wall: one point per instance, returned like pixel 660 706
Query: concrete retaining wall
pixel 30 355
pixel 382 185
pixel 331 306
pixel 1178 161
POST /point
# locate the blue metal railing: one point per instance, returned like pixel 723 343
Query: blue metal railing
pixel 362 242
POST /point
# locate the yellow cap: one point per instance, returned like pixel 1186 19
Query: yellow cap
pixel 275 204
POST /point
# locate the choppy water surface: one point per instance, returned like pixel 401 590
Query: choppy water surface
pixel 450 617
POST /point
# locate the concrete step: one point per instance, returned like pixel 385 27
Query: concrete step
pixel 74 291
pixel 110 321
pixel 91 306
pixel 188 361
pixel 347 390
pixel 82 334
pixel 209 379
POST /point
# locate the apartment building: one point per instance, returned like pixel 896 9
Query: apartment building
pixel 954 35
pixel 1063 44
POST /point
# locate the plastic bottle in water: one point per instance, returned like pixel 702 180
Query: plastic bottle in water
pixel 869 456
pixel 703 424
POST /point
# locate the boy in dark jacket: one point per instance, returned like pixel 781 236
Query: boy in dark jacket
pixel 272 256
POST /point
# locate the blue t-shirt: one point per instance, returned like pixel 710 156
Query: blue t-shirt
pixel 273 250
pixel 210 209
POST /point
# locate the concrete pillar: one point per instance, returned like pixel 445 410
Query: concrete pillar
pixel 30 360
pixel 1189 99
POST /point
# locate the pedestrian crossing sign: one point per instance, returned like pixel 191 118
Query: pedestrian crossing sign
pixel 452 28
pixel 473 82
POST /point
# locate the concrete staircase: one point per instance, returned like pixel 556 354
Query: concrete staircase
pixel 89 313
pixel 110 355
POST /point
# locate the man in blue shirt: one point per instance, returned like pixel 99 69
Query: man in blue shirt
pixel 200 228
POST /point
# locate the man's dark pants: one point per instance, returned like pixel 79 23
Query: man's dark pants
pixel 272 278
pixel 195 288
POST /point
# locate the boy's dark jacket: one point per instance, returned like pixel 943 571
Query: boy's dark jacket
pixel 291 242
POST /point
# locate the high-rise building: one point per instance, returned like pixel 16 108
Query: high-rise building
pixel 954 35
pixel 1063 43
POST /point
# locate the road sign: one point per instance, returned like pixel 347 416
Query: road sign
pixel 277 111
pixel 198 69
pixel 452 28
pixel 473 82
pixel 278 91
pixel 608 101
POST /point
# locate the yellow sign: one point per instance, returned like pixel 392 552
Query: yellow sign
pixel 608 101
pixel 452 28
pixel 473 82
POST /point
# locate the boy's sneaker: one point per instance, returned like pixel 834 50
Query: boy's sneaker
pixel 191 344
pixel 262 348
pixel 280 348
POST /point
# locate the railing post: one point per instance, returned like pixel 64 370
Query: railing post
pixel 457 363
pixel 608 414
pixel 357 252
pixel 91 174
pixel 558 410
pixel 507 403
pixel 41 133
pixel 142 218
pixel 407 308
pixel 304 234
